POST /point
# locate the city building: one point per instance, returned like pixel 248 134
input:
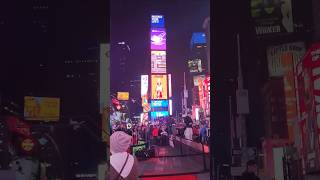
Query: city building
pixel 120 56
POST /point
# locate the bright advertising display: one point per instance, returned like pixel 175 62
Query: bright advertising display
pixel 157 114
pixel 207 93
pixel 272 16
pixel 275 53
pixel 157 21
pixel 41 108
pixel 144 85
pixel 169 85
pixel 158 39
pixel 196 79
pixel 308 77
pixel 195 66
pixel 123 96
pixel 158 62
pixel 159 103
pixel 159 87
pixel 170 107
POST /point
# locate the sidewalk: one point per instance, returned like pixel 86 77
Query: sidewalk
pixel 172 165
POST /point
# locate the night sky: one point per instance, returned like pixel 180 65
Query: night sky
pixel 130 22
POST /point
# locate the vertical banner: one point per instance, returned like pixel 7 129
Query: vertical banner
pixel 201 94
pixel 289 91
pixel 272 16
pixel 169 83
pixel 309 106
pixel 170 107
pixel 207 94
pixel 144 93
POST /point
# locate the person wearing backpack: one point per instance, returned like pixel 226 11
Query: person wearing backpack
pixel 123 165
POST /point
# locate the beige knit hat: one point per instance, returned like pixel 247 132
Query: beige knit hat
pixel 119 142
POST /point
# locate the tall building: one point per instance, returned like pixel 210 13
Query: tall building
pixel 80 82
pixel 120 55
pixel 206 27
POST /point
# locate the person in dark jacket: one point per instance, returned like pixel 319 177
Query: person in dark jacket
pixel 250 173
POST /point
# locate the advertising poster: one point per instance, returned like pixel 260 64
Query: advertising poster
pixel 41 108
pixel 274 55
pixel 195 66
pixel 159 86
pixel 157 114
pixel 196 79
pixel 158 62
pixel 309 101
pixel 159 103
pixel 157 21
pixel 272 16
pixel 123 96
pixel 158 39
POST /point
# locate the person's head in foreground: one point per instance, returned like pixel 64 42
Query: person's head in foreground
pixel 252 166
pixel 123 164
pixel 119 142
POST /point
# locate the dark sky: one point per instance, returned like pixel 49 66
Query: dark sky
pixel 130 22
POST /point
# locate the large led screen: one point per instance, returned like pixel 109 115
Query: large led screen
pixel 157 114
pixel 159 103
pixel 158 39
pixel 158 62
pixel 195 66
pixel 41 108
pixel 159 86
pixel 196 79
pixel 157 21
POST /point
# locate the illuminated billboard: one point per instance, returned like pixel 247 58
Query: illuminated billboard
pixel 195 66
pixel 170 107
pixel 41 108
pixel 157 21
pixel 196 79
pixel 159 103
pixel 159 86
pixel 158 39
pixel 170 87
pixel 157 114
pixel 144 85
pixel 123 96
pixel 158 62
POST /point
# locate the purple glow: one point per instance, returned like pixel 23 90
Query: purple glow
pixel 158 39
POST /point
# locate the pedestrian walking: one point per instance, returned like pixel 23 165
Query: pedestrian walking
pixel 188 133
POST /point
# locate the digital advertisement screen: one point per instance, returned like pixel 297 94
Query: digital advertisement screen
pixel 158 39
pixel 158 62
pixel 144 85
pixel 159 86
pixel 196 78
pixel 170 86
pixel 159 103
pixel 123 96
pixel 157 21
pixel 157 114
pixel 41 108
pixel 195 66
pixel 198 38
